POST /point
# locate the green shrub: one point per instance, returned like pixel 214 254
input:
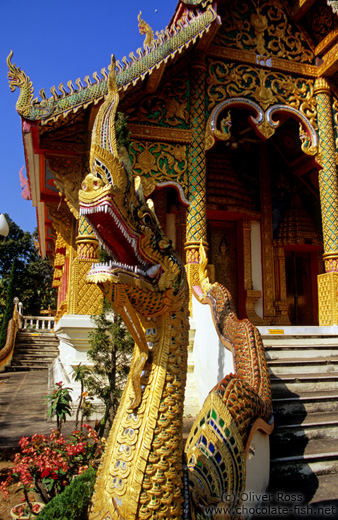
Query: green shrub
pixel 74 501
pixel 8 314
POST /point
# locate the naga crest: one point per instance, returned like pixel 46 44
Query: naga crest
pixel 123 221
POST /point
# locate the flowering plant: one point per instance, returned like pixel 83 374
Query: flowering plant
pixel 59 404
pixel 47 464
pixel 24 510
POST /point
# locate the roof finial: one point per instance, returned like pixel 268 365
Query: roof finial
pixel 18 78
pixel 145 28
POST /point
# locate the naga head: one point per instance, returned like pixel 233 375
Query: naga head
pixel 18 79
pixel 144 28
pixel 124 222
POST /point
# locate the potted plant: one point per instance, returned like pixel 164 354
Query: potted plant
pixel 26 511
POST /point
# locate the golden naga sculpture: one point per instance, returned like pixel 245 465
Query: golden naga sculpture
pixel 18 78
pixel 142 474
pixel 145 28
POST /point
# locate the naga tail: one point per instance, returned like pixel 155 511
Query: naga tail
pixel 218 444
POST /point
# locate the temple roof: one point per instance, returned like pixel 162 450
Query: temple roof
pixel 180 35
pixel 191 21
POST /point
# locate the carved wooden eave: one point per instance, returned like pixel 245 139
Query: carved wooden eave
pixel 330 63
pixel 152 133
pixel 307 9
pixel 270 62
pixel 154 79
pixel 327 43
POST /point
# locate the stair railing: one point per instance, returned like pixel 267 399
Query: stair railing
pixel 6 353
pixel 37 323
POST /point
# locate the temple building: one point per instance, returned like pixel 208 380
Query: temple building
pixel 233 119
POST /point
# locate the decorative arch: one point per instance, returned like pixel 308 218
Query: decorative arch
pixel 263 123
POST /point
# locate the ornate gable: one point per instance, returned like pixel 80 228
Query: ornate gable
pixel 263 28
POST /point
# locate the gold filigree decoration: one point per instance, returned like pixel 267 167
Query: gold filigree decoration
pixel 62 223
pixel 226 80
pixel 214 486
pixel 306 145
pixel 224 134
pixel 159 162
pixel 263 28
pixel 69 174
pixel 169 106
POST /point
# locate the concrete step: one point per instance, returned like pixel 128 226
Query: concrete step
pixel 325 490
pixel 301 341
pixel 36 335
pixel 321 401
pixel 36 346
pixel 23 368
pixel 282 420
pixel 282 385
pixel 307 352
pixel 33 361
pixel 36 361
pixel 50 352
pixel 306 366
pixel 303 430
pixel 33 342
pixel 34 351
pixel 317 457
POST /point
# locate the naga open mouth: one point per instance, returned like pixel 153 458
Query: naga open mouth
pixel 119 241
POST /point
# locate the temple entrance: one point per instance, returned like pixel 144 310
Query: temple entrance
pixel 301 287
pixel 275 183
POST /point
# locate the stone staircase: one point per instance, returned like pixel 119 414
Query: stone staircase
pixel 34 351
pixel 304 444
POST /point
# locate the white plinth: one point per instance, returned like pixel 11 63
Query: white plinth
pixel 73 332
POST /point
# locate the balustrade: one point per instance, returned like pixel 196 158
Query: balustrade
pixel 37 323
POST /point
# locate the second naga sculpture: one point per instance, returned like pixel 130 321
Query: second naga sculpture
pixel 144 473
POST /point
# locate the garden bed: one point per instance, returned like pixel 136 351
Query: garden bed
pixel 14 497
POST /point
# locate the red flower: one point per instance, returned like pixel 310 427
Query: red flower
pixel 53 457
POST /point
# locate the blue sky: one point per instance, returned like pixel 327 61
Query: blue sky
pixel 54 42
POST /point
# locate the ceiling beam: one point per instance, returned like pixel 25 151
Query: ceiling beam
pixel 300 9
